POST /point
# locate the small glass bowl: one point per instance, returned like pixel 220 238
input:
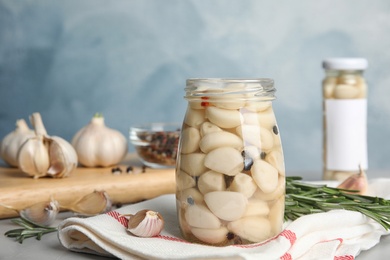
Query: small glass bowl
pixel 156 144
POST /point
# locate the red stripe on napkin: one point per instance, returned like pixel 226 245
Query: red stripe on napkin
pixel 121 219
pixel 344 257
pixel 173 239
pixel 289 235
pixel 286 256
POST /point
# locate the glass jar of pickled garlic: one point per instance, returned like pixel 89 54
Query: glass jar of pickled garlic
pixel 230 175
pixel 344 118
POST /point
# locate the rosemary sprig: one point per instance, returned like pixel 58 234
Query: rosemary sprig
pixel 28 230
pixel 304 198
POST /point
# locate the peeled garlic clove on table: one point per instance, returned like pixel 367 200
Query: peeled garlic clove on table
pixel 44 155
pixel 98 145
pixel 12 142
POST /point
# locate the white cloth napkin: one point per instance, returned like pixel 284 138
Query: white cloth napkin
pixel 337 235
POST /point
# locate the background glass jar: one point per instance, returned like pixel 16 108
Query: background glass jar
pixel 344 118
pixel 230 173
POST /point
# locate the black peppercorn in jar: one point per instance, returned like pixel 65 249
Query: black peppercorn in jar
pixel 230 175
pixel 344 118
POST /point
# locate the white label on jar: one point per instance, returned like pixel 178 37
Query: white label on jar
pixel 346 134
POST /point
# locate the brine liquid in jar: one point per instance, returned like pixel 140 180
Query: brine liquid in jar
pixel 230 174
pixel 344 118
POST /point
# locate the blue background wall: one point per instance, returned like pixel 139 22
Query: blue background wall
pixel 129 60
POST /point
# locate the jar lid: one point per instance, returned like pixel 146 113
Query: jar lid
pixel 345 63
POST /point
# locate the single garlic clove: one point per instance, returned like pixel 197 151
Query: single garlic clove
pixel 226 205
pixel 145 223
pixel 33 157
pixel 252 228
pixel 211 236
pixel 198 215
pixel 12 142
pixel 63 157
pixel 41 213
pixel 356 183
pixel 211 181
pixel 91 204
pixel 226 160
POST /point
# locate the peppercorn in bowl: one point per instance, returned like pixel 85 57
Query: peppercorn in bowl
pixel 156 144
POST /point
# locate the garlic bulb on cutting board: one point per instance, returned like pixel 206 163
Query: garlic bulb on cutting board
pixel 43 155
pixel 98 145
pixel 12 142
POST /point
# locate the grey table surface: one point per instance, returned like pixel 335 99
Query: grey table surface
pixel 49 246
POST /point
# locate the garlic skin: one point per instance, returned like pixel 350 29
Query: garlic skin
pixel 43 155
pixel 145 223
pixel 98 145
pixel 357 182
pixel 12 142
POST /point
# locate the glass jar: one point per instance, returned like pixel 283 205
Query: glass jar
pixel 230 175
pixel 344 118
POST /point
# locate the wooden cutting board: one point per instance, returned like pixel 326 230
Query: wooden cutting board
pixel 20 191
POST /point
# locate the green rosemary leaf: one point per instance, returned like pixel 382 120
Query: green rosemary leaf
pixel 305 198
pixel 13 232
pixel 23 223
pixel 29 230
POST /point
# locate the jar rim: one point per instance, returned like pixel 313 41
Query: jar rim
pixel 231 80
pixel 253 88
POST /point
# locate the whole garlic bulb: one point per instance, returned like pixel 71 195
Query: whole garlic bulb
pixel 12 142
pixel 98 145
pixel 43 155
